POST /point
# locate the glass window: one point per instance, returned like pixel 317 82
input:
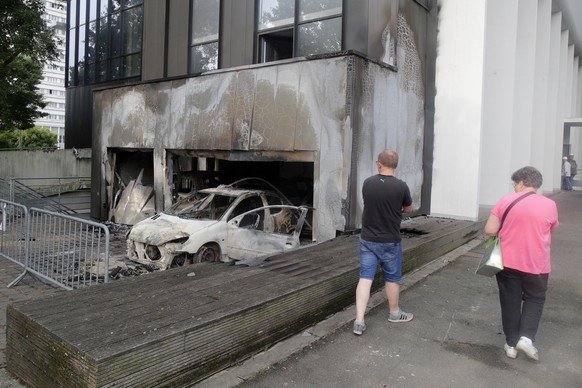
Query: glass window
pixel 132 30
pixel 73 13
pixel 319 37
pixel 203 57
pixel 115 34
pixel 93 10
pixel 132 65
pixel 275 13
pixel 318 29
pixel 91 42
pixel 131 3
pixel 72 58
pixel 82 11
pixel 205 21
pixel 81 53
pixel 313 10
pixel 104 10
pixel 102 40
pixel 204 40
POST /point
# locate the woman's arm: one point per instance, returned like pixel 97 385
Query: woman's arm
pixel 492 225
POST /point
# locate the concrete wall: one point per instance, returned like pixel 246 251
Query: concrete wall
pixel 45 164
pixel 302 110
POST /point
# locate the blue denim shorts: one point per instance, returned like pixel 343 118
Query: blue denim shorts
pixel 389 255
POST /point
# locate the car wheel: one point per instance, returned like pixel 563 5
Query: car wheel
pixel 182 260
pixel 208 253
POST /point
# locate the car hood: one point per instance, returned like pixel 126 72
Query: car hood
pixel 163 228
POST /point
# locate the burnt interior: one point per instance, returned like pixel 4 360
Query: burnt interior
pixel 294 179
pixel 188 172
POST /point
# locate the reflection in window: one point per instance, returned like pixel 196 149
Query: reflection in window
pixel 109 46
pixel 204 40
pixel 319 9
pixel 275 13
pixel 319 37
pixel 318 29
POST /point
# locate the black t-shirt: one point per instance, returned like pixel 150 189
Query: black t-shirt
pixel 384 198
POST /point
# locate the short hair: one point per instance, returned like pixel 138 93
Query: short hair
pixel 529 176
pixel 388 158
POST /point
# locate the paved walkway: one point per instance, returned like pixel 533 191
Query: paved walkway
pixel 455 339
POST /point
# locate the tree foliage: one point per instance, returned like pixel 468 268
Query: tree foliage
pixel 26 44
pixel 35 137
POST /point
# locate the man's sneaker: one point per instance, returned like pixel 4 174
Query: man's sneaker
pixel 400 316
pixel 359 327
pixel 525 345
pixel 510 351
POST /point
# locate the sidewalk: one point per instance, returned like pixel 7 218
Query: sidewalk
pixel 455 339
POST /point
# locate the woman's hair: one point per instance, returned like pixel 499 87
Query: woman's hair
pixel 529 176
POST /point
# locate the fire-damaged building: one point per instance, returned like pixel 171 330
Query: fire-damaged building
pixel 186 94
pixel 174 96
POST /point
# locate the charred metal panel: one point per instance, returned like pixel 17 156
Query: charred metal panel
pixel 245 100
pixel 210 103
pixel 392 113
pixel 321 106
pixel 172 135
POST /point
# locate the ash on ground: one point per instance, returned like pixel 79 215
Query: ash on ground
pixel 119 264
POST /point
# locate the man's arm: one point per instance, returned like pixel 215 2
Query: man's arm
pixel 407 209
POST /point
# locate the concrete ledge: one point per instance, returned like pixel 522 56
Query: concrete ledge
pixel 180 326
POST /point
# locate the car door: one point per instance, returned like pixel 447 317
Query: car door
pixel 266 230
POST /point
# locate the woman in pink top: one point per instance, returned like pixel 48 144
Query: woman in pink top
pixel 525 238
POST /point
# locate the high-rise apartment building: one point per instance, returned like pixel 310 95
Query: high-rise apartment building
pixel 52 86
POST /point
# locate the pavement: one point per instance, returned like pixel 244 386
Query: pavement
pixel 454 340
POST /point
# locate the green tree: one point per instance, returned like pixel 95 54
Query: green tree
pixel 35 137
pixel 26 44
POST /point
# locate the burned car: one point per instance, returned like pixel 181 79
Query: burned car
pixel 225 223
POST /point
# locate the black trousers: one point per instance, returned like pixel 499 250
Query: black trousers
pixel 522 296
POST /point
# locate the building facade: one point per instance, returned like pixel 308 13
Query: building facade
pixel 306 93
pixel 52 86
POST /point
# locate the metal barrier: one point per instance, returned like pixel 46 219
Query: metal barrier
pixel 13 232
pixel 6 190
pixel 67 251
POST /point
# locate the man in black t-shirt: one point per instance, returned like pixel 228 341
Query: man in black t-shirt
pixel 385 199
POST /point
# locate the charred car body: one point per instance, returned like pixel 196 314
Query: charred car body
pixel 225 223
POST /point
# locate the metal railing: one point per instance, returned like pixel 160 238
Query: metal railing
pixel 66 251
pixel 50 193
pixel 13 227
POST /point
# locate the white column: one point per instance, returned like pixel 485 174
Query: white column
pixel 498 138
pixel 552 150
pixel 541 85
pixel 562 109
pixel 573 84
pixel 458 115
pixel 575 131
pixel 523 99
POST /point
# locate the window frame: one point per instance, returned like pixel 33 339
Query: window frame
pixel 297 23
pixel 194 43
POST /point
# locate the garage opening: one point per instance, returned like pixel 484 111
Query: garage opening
pixel 191 173
pixel 130 190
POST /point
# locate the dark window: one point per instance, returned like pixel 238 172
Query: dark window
pixel 109 46
pixel 317 30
